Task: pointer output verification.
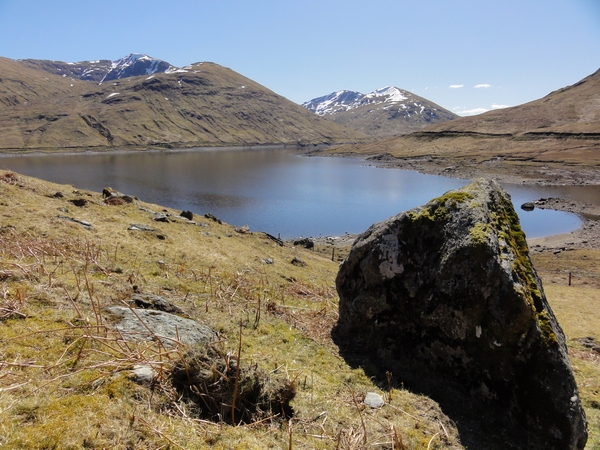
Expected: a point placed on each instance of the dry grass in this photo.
(66, 374)
(577, 308)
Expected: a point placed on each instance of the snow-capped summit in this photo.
(384, 112)
(136, 64)
(332, 103)
(347, 100)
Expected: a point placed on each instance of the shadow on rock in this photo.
(446, 298)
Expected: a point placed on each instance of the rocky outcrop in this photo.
(446, 297)
(148, 324)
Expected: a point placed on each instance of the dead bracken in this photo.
(221, 390)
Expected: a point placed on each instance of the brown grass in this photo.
(66, 375)
(577, 308)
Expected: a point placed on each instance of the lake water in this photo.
(277, 190)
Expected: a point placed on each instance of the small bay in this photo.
(277, 190)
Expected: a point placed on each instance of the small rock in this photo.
(160, 217)
(140, 227)
(243, 230)
(80, 222)
(80, 202)
(148, 325)
(156, 302)
(109, 192)
(298, 262)
(268, 261)
(374, 400)
(528, 206)
(58, 195)
(305, 242)
(143, 374)
(211, 217)
(187, 214)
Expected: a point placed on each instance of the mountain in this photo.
(54, 105)
(132, 65)
(136, 64)
(388, 111)
(562, 127)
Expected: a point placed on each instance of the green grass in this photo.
(65, 376)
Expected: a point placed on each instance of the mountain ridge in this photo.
(561, 127)
(202, 104)
(131, 65)
(385, 112)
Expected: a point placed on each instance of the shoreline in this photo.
(499, 169)
(510, 172)
(587, 236)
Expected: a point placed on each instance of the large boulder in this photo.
(446, 297)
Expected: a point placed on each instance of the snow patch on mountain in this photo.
(383, 98)
(136, 64)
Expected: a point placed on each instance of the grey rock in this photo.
(242, 230)
(156, 302)
(143, 374)
(160, 217)
(447, 298)
(79, 202)
(85, 223)
(528, 206)
(187, 214)
(373, 400)
(305, 242)
(143, 324)
(140, 227)
(213, 218)
(298, 262)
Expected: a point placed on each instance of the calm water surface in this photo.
(276, 190)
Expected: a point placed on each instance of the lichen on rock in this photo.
(446, 296)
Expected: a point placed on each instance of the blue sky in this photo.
(466, 55)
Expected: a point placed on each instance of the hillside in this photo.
(562, 127)
(134, 64)
(203, 104)
(68, 378)
(384, 112)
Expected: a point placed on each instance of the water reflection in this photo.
(276, 190)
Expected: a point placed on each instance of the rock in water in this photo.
(446, 296)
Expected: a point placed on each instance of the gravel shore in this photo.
(587, 236)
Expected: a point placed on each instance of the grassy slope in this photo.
(64, 379)
(209, 105)
(561, 127)
(577, 308)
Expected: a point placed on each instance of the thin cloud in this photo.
(469, 112)
(479, 86)
(456, 86)
(494, 106)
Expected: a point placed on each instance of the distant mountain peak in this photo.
(347, 100)
(386, 111)
(136, 64)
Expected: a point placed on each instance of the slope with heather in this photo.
(202, 104)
